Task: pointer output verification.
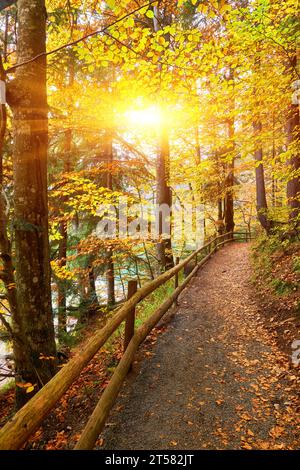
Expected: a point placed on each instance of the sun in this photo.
(144, 117)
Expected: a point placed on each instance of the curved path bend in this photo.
(215, 379)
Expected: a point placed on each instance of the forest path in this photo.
(215, 379)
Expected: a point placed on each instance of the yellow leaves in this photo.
(150, 14)
(29, 387)
(61, 272)
(135, 34)
(111, 4)
(129, 22)
(203, 8)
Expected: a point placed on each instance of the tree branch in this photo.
(73, 43)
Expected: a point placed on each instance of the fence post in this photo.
(176, 279)
(130, 319)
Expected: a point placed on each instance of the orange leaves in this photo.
(277, 431)
(219, 402)
(59, 442)
(246, 446)
(42, 357)
(245, 417)
(29, 387)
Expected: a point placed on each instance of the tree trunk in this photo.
(110, 271)
(61, 287)
(32, 266)
(220, 223)
(261, 199)
(5, 245)
(164, 193)
(228, 202)
(293, 135)
(164, 197)
(197, 146)
(63, 242)
(63, 228)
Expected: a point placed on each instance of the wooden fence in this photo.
(28, 419)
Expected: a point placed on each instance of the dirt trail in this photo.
(216, 379)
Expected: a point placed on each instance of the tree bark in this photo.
(164, 197)
(293, 135)
(110, 271)
(61, 288)
(8, 277)
(261, 199)
(32, 266)
(164, 193)
(63, 228)
(228, 202)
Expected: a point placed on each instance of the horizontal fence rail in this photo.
(28, 419)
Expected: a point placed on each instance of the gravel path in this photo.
(215, 378)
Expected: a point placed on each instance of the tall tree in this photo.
(228, 201)
(108, 158)
(164, 192)
(164, 200)
(28, 100)
(293, 138)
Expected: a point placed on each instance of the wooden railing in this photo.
(27, 420)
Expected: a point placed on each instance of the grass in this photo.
(9, 385)
(265, 255)
(296, 264)
(148, 306)
(282, 287)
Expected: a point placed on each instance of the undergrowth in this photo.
(277, 263)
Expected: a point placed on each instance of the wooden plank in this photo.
(176, 280)
(130, 319)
